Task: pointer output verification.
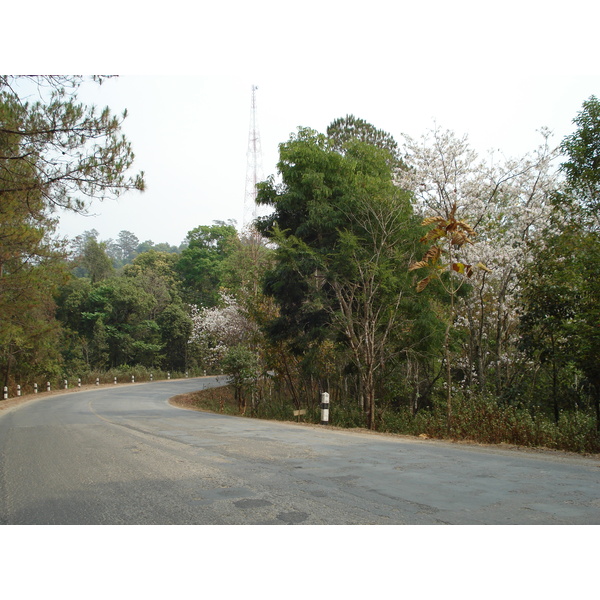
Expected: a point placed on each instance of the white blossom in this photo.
(507, 202)
(218, 328)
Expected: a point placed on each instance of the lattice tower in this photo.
(254, 172)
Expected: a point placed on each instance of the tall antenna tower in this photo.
(253, 165)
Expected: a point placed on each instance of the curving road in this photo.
(124, 455)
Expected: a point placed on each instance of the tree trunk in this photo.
(8, 361)
(554, 381)
(368, 387)
(449, 364)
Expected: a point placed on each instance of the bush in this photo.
(577, 432)
(474, 419)
(483, 420)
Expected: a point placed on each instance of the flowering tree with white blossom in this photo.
(508, 202)
(447, 236)
(217, 329)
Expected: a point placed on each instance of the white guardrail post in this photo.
(324, 408)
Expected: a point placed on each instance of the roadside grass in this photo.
(473, 420)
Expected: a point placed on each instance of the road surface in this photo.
(124, 455)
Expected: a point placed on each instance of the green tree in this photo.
(54, 153)
(200, 264)
(349, 129)
(241, 364)
(67, 151)
(175, 326)
(582, 151)
(582, 169)
(126, 312)
(373, 297)
(242, 277)
(78, 243)
(30, 267)
(113, 320)
(95, 261)
(561, 296)
(342, 235)
(306, 218)
(134, 317)
(155, 273)
(247, 260)
(127, 246)
(552, 305)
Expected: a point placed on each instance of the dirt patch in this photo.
(219, 400)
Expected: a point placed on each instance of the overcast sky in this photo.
(497, 72)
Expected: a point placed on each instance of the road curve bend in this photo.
(124, 455)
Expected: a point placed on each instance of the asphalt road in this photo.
(124, 455)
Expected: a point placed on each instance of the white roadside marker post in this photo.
(324, 408)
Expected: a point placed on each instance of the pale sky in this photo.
(496, 72)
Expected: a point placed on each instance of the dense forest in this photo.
(428, 290)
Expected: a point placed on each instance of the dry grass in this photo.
(217, 400)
